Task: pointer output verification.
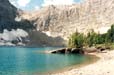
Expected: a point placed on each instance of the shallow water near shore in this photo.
(30, 61)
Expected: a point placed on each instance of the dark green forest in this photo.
(79, 40)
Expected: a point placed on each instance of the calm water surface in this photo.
(29, 61)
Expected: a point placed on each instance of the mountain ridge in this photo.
(16, 30)
(64, 20)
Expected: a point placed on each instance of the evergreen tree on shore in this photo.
(78, 40)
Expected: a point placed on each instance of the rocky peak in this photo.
(64, 20)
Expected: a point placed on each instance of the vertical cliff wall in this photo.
(64, 20)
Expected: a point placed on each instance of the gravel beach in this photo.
(104, 66)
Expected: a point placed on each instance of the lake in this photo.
(30, 61)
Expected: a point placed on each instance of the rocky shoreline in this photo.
(78, 50)
(102, 67)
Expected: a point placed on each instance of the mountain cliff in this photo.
(9, 15)
(16, 30)
(63, 20)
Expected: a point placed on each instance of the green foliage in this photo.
(110, 34)
(76, 40)
(91, 38)
(79, 40)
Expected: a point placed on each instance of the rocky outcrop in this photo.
(79, 50)
(63, 20)
(68, 51)
(13, 37)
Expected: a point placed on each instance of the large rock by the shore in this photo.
(68, 51)
(78, 50)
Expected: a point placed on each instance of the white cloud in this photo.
(36, 7)
(23, 3)
(57, 2)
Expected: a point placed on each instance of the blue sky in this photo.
(36, 4)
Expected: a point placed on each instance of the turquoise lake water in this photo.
(30, 61)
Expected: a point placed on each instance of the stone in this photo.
(69, 51)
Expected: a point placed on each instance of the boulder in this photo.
(77, 51)
(69, 51)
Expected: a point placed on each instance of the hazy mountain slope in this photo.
(63, 20)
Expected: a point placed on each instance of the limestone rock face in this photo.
(63, 20)
(8, 15)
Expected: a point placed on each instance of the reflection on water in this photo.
(27, 61)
